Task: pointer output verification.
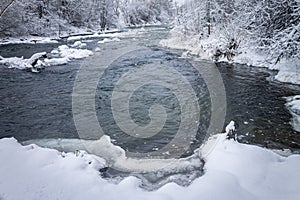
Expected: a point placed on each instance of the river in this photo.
(39, 106)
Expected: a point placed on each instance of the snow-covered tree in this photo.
(272, 26)
(49, 17)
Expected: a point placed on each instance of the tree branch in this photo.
(6, 7)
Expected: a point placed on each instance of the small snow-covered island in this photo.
(150, 99)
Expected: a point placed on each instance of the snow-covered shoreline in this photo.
(59, 56)
(29, 40)
(288, 70)
(232, 171)
(293, 105)
(81, 35)
(74, 49)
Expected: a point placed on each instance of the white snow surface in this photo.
(232, 171)
(79, 44)
(63, 54)
(29, 40)
(116, 156)
(288, 77)
(206, 47)
(20, 62)
(293, 104)
(72, 53)
(230, 127)
(107, 40)
(56, 61)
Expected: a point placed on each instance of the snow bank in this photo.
(15, 62)
(72, 53)
(289, 71)
(206, 48)
(83, 37)
(109, 33)
(230, 127)
(232, 171)
(64, 54)
(21, 63)
(116, 156)
(55, 61)
(107, 40)
(29, 40)
(79, 44)
(293, 104)
(60, 56)
(288, 77)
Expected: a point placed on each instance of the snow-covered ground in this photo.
(232, 171)
(293, 104)
(205, 48)
(29, 40)
(64, 53)
(21, 63)
(107, 40)
(60, 56)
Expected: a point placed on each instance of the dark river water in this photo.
(39, 106)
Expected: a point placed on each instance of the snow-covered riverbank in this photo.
(60, 56)
(232, 171)
(75, 48)
(293, 104)
(288, 70)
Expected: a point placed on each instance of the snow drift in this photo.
(232, 171)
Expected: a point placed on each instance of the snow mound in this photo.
(78, 44)
(83, 37)
(116, 156)
(21, 63)
(72, 53)
(64, 54)
(107, 40)
(230, 127)
(60, 56)
(29, 40)
(293, 105)
(232, 171)
(288, 77)
(56, 61)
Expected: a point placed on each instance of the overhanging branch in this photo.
(6, 7)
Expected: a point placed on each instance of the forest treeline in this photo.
(50, 17)
(269, 26)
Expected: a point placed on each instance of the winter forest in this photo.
(149, 99)
(270, 26)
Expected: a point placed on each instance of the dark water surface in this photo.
(38, 106)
